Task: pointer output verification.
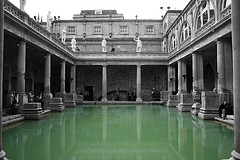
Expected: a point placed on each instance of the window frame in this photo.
(123, 31)
(71, 29)
(148, 29)
(97, 29)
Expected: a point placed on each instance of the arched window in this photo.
(173, 42)
(205, 14)
(186, 31)
(225, 4)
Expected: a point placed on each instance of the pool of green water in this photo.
(141, 132)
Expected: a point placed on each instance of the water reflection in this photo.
(118, 132)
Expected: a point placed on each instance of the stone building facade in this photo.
(89, 28)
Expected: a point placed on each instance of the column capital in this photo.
(104, 65)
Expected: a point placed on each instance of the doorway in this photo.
(89, 90)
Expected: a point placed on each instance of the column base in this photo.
(235, 155)
(69, 100)
(186, 102)
(105, 100)
(56, 105)
(173, 101)
(139, 100)
(46, 99)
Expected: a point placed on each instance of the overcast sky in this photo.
(145, 9)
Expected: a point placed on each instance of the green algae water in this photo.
(104, 132)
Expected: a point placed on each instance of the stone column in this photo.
(200, 71)
(236, 76)
(104, 83)
(180, 89)
(221, 66)
(170, 79)
(21, 68)
(62, 90)
(47, 77)
(195, 72)
(73, 79)
(2, 153)
(139, 80)
(184, 76)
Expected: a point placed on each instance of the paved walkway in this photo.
(229, 120)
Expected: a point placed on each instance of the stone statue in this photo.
(139, 44)
(73, 43)
(49, 21)
(22, 4)
(104, 45)
(64, 35)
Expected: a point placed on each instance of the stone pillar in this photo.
(200, 71)
(170, 79)
(104, 83)
(73, 79)
(139, 99)
(195, 72)
(47, 77)
(2, 153)
(236, 76)
(196, 82)
(21, 68)
(62, 90)
(221, 66)
(180, 89)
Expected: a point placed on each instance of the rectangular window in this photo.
(123, 29)
(149, 29)
(97, 30)
(71, 29)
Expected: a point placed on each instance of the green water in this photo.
(118, 133)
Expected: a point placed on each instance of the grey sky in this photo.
(147, 9)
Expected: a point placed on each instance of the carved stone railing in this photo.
(122, 55)
(205, 27)
(24, 18)
(226, 12)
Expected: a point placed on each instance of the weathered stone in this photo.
(173, 100)
(186, 101)
(69, 100)
(164, 96)
(210, 105)
(32, 111)
(56, 105)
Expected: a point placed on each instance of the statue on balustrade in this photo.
(104, 45)
(22, 4)
(49, 21)
(73, 43)
(139, 44)
(64, 35)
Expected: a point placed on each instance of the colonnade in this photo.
(104, 83)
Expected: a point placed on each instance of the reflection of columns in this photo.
(73, 79)
(62, 135)
(236, 75)
(21, 68)
(139, 99)
(221, 66)
(62, 90)
(139, 110)
(2, 153)
(104, 83)
(104, 123)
